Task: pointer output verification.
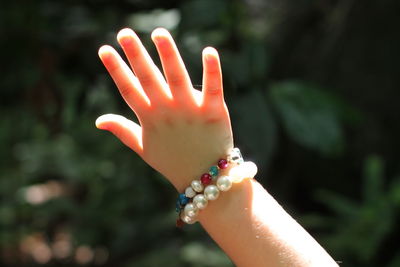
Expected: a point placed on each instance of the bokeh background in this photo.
(313, 91)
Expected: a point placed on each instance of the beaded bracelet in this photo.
(197, 195)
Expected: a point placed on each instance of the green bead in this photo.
(214, 171)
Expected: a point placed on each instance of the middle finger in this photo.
(150, 77)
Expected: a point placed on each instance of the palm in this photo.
(182, 131)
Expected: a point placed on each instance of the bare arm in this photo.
(182, 132)
(254, 230)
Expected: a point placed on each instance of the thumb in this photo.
(127, 131)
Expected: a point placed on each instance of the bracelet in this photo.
(201, 191)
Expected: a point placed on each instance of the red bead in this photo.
(206, 178)
(222, 163)
(179, 223)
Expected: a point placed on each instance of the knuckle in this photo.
(113, 67)
(213, 120)
(146, 80)
(175, 80)
(168, 52)
(133, 53)
(168, 121)
(213, 71)
(214, 91)
(125, 89)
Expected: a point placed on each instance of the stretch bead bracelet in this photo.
(197, 195)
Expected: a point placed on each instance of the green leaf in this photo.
(310, 116)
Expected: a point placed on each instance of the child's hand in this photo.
(182, 131)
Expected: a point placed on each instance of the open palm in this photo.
(182, 131)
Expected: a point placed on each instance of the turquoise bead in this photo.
(214, 171)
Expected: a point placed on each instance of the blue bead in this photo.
(183, 199)
(214, 171)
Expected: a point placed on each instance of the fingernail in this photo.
(209, 58)
(159, 40)
(104, 51)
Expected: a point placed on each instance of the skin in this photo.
(180, 128)
(182, 132)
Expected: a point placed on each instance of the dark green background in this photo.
(313, 91)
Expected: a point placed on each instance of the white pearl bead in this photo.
(200, 201)
(237, 173)
(187, 219)
(211, 192)
(191, 210)
(189, 192)
(245, 170)
(197, 186)
(252, 169)
(224, 183)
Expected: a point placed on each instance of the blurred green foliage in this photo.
(312, 87)
(297, 104)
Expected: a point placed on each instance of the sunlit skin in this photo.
(183, 132)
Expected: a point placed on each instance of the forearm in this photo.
(254, 230)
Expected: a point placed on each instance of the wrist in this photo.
(190, 170)
(219, 178)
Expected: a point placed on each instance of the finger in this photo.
(128, 85)
(150, 77)
(213, 97)
(129, 132)
(174, 69)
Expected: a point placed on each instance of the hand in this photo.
(182, 131)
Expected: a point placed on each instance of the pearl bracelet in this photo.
(197, 195)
